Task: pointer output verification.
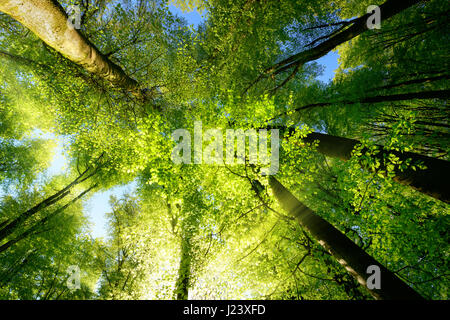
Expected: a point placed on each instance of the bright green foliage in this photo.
(36, 266)
(216, 231)
(125, 259)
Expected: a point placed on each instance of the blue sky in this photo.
(330, 62)
(98, 204)
(192, 17)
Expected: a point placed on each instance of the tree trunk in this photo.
(432, 181)
(388, 9)
(348, 254)
(34, 229)
(184, 272)
(11, 226)
(48, 20)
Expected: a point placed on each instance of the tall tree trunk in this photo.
(348, 254)
(35, 228)
(48, 20)
(11, 226)
(184, 272)
(432, 181)
(388, 9)
(17, 266)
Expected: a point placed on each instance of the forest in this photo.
(255, 179)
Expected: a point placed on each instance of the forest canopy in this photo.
(254, 179)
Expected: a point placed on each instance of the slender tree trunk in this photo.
(348, 254)
(35, 228)
(48, 20)
(16, 267)
(9, 228)
(388, 9)
(184, 271)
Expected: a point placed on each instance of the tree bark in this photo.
(432, 181)
(11, 226)
(32, 230)
(184, 271)
(48, 20)
(358, 26)
(348, 254)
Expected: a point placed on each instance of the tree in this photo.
(64, 38)
(118, 87)
(431, 180)
(126, 259)
(9, 226)
(346, 32)
(349, 255)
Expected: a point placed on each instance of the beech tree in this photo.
(355, 260)
(363, 158)
(427, 181)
